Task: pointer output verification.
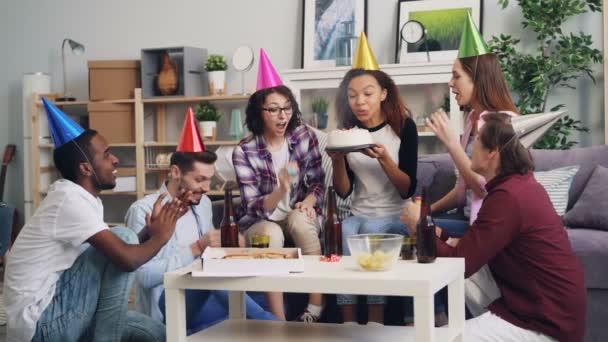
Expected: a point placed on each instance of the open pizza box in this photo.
(245, 262)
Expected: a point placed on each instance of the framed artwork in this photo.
(324, 23)
(443, 21)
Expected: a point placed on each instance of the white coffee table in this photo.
(407, 278)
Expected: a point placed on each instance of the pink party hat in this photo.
(267, 75)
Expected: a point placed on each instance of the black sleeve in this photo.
(408, 153)
(351, 178)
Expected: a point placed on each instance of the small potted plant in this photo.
(319, 107)
(207, 115)
(216, 66)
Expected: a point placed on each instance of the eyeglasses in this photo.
(274, 111)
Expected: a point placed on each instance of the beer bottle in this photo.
(229, 230)
(333, 227)
(426, 248)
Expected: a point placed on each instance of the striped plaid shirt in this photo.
(256, 177)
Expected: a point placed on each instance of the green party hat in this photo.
(471, 41)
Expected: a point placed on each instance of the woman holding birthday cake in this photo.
(380, 177)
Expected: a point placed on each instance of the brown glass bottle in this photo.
(229, 230)
(426, 248)
(333, 227)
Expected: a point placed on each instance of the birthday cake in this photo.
(349, 138)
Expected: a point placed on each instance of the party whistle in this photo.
(293, 171)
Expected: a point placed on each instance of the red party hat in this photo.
(191, 138)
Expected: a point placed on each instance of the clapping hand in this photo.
(287, 175)
(161, 223)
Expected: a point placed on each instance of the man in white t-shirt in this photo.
(68, 276)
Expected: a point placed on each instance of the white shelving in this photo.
(423, 87)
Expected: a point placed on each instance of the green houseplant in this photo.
(559, 59)
(216, 67)
(207, 115)
(319, 107)
(216, 63)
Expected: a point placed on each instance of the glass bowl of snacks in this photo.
(375, 252)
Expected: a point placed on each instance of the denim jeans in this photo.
(367, 225)
(205, 308)
(455, 225)
(90, 303)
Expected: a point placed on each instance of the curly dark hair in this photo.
(253, 113)
(392, 107)
(70, 155)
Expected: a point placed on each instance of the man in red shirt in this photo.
(521, 238)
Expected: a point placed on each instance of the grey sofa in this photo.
(590, 245)
(437, 173)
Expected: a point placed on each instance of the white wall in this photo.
(31, 32)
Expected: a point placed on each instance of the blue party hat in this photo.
(63, 129)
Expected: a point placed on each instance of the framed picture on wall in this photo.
(325, 24)
(443, 21)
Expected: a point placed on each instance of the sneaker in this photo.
(308, 317)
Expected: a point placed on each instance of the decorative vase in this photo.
(322, 120)
(208, 129)
(217, 82)
(168, 81)
(236, 124)
(346, 44)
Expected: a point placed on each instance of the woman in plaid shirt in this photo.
(278, 168)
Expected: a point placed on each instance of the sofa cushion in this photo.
(557, 184)
(590, 209)
(586, 157)
(436, 172)
(591, 246)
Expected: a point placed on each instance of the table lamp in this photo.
(77, 49)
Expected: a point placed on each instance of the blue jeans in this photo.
(90, 303)
(456, 227)
(353, 225)
(205, 308)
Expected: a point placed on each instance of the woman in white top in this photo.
(380, 178)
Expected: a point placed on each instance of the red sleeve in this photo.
(497, 224)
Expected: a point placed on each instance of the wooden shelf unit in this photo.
(210, 193)
(84, 103)
(191, 99)
(207, 143)
(137, 148)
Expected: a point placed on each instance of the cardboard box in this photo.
(116, 122)
(113, 79)
(215, 264)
